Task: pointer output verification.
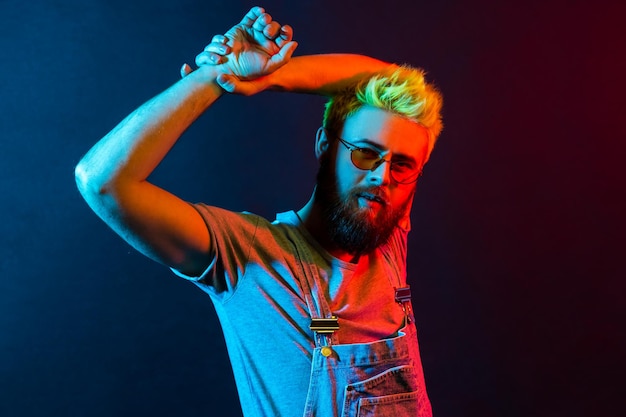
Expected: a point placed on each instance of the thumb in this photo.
(227, 82)
(283, 55)
(185, 70)
(234, 85)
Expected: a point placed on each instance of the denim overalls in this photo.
(382, 378)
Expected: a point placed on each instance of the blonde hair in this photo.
(401, 90)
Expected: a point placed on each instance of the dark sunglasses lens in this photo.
(364, 158)
(367, 159)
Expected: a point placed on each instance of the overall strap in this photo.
(323, 322)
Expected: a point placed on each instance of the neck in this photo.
(313, 220)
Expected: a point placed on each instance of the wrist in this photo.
(278, 80)
(207, 74)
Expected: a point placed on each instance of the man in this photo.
(314, 306)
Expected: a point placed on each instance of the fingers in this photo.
(267, 31)
(285, 35)
(250, 18)
(214, 53)
(267, 26)
(219, 39)
(227, 82)
(185, 70)
(284, 55)
(257, 35)
(209, 58)
(234, 85)
(261, 21)
(271, 30)
(257, 19)
(218, 45)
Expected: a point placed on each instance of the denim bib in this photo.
(376, 379)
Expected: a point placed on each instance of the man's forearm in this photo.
(133, 149)
(323, 74)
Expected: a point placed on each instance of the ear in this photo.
(321, 142)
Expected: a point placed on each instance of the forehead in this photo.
(387, 131)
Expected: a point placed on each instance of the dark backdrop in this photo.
(518, 225)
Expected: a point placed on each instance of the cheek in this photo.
(401, 197)
(345, 178)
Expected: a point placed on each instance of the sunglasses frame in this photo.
(352, 148)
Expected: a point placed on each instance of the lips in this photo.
(375, 197)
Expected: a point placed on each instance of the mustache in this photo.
(372, 193)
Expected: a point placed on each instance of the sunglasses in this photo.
(402, 172)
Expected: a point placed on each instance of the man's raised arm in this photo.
(323, 74)
(112, 176)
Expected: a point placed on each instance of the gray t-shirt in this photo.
(256, 282)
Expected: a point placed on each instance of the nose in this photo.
(381, 173)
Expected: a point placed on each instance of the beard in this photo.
(352, 228)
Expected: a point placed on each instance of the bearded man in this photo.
(314, 306)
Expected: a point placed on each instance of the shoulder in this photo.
(228, 225)
(218, 219)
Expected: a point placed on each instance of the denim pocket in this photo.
(391, 393)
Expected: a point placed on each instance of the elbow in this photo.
(97, 193)
(81, 176)
(87, 181)
(101, 193)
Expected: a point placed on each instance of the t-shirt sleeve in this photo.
(232, 236)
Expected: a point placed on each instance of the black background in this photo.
(515, 256)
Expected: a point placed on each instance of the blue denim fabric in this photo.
(382, 378)
(368, 379)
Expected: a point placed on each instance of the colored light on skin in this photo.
(393, 136)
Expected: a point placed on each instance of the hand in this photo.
(256, 47)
